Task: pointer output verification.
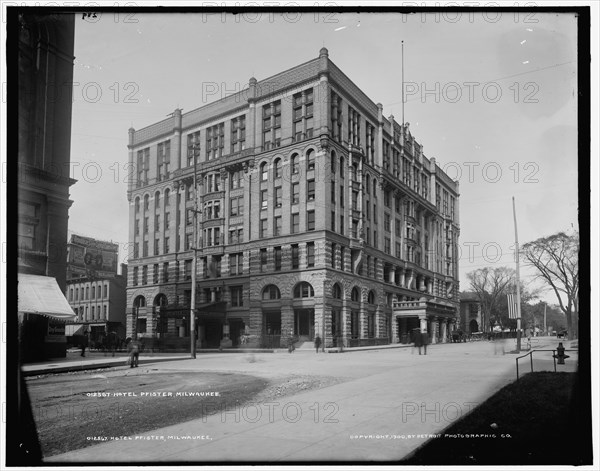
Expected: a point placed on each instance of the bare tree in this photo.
(556, 259)
(491, 285)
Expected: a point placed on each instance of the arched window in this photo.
(146, 202)
(137, 205)
(160, 300)
(271, 292)
(157, 199)
(140, 301)
(295, 163)
(304, 290)
(167, 194)
(341, 167)
(375, 187)
(336, 292)
(355, 296)
(264, 171)
(310, 159)
(277, 168)
(367, 185)
(371, 297)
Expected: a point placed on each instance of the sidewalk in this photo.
(391, 403)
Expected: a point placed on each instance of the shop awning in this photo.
(42, 295)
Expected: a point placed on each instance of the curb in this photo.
(33, 371)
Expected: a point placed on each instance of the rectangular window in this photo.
(342, 225)
(295, 256)
(145, 275)
(155, 275)
(166, 244)
(263, 260)
(310, 254)
(278, 196)
(310, 220)
(193, 147)
(263, 199)
(387, 247)
(237, 296)
(277, 226)
(277, 257)
(333, 221)
(295, 193)
(332, 191)
(163, 160)
(236, 264)
(156, 246)
(333, 249)
(165, 272)
(215, 141)
(236, 206)
(145, 249)
(310, 190)
(295, 223)
(371, 325)
(263, 228)
(342, 196)
(342, 258)
(187, 270)
(238, 134)
(387, 222)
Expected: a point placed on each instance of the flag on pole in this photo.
(512, 306)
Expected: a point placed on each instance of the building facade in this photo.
(99, 305)
(44, 45)
(313, 215)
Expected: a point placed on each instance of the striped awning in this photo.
(42, 295)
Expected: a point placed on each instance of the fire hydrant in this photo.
(560, 354)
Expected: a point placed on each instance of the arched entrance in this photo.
(473, 326)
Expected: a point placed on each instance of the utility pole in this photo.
(545, 328)
(195, 150)
(518, 280)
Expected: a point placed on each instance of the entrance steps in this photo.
(305, 345)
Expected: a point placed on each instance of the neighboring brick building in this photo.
(99, 305)
(318, 216)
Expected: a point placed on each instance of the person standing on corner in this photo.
(317, 343)
(134, 354)
(424, 341)
(418, 340)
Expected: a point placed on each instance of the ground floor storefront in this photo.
(275, 311)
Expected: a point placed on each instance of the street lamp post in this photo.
(194, 149)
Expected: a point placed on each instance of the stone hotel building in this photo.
(316, 215)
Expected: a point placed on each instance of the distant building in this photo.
(470, 312)
(317, 215)
(95, 291)
(45, 79)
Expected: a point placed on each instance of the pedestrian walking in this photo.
(134, 353)
(424, 341)
(418, 339)
(317, 343)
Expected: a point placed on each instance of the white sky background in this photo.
(529, 134)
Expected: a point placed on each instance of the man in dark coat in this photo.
(317, 343)
(418, 339)
(424, 341)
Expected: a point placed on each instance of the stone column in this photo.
(423, 322)
(444, 331)
(402, 280)
(287, 320)
(392, 275)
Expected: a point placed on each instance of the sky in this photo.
(490, 95)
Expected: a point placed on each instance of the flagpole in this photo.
(403, 89)
(518, 280)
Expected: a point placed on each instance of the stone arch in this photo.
(160, 300)
(273, 291)
(139, 301)
(303, 289)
